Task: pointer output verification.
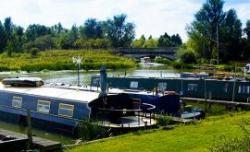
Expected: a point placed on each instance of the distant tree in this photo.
(176, 40)
(18, 38)
(230, 36)
(3, 38)
(120, 32)
(67, 40)
(8, 27)
(246, 41)
(10, 48)
(92, 29)
(204, 31)
(35, 30)
(139, 43)
(165, 41)
(92, 43)
(151, 42)
(45, 42)
(57, 29)
(247, 30)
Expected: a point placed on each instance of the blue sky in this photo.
(151, 17)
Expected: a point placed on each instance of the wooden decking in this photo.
(44, 145)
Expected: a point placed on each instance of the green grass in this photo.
(62, 60)
(198, 137)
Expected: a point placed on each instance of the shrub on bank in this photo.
(62, 60)
(186, 56)
(88, 130)
(162, 60)
(164, 120)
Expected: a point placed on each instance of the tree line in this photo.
(164, 40)
(93, 34)
(218, 34)
(115, 32)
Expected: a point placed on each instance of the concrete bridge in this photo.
(169, 52)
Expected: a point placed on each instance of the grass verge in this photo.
(198, 137)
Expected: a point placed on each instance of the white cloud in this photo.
(151, 17)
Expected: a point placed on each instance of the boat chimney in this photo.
(103, 81)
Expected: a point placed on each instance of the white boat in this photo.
(247, 68)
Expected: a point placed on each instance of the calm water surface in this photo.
(70, 77)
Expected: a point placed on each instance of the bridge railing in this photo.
(146, 50)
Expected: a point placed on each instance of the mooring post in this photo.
(150, 118)
(29, 131)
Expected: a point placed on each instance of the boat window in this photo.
(192, 87)
(66, 110)
(17, 102)
(162, 86)
(226, 88)
(134, 84)
(244, 89)
(43, 106)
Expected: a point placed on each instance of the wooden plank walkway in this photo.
(44, 145)
(224, 102)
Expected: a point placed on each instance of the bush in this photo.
(162, 60)
(164, 120)
(186, 56)
(90, 130)
(34, 52)
(92, 43)
(45, 42)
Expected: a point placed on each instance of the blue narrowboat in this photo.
(49, 104)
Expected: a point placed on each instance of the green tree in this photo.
(151, 42)
(230, 40)
(68, 39)
(165, 41)
(247, 29)
(246, 41)
(139, 43)
(8, 27)
(57, 29)
(176, 40)
(204, 30)
(92, 29)
(3, 39)
(18, 38)
(45, 42)
(35, 30)
(120, 32)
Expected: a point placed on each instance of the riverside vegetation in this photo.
(62, 60)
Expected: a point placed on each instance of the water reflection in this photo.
(70, 77)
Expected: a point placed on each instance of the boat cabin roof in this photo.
(52, 92)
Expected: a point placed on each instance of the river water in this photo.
(70, 77)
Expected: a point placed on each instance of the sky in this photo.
(151, 17)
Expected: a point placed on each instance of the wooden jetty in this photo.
(20, 142)
(10, 141)
(222, 102)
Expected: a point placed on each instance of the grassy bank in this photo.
(62, 60)
(198, 137)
